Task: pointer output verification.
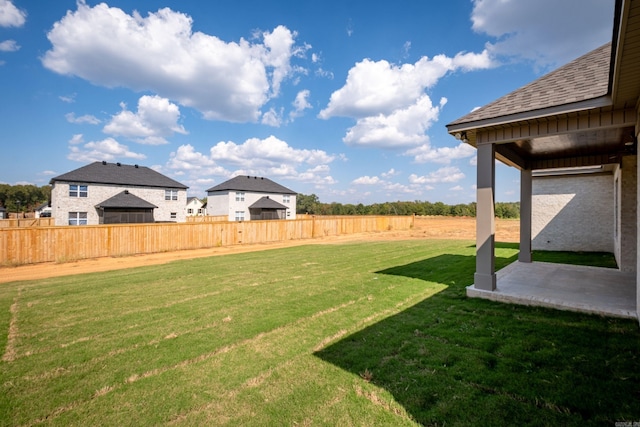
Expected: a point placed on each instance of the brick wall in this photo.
(573, 213)
(62, 204)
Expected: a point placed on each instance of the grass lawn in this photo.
(354, 334)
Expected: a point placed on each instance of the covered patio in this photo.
(595, 290)
(581, 115)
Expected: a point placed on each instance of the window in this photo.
(77, 218)
(239, 196)
(199, 211)
(171, 194)
(174, 215)
(190, 211)
(239, 215)
(286, 199)
(76, 190)
(288, 213)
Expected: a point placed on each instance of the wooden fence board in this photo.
(30, 245)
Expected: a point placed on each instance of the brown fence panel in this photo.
(28, 245)
(208, 218)
(27, 222)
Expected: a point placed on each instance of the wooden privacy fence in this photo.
(62, 244)
(26, 222)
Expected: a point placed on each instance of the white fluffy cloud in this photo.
(402, 128)
(94, 151)
(270, 151)
(156, 119)
(367, 180)
(9, 46)
(87, 118)
(160, 52)
(389, 101)
(300, 104)
(379, 87)
(10, 15)
(426, 153)
(260, 157)
(527, 30)
(187, 159)
(445, 174)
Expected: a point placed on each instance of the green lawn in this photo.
(354, 334)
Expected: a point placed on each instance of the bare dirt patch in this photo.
(425, 228)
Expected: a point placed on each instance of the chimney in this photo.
(118, 164)
(104, 162)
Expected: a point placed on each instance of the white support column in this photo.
(485, 276)
(525, 215)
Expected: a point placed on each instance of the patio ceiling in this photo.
(572, 149)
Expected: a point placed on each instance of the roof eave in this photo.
(599, 102)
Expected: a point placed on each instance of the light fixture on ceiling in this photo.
(630, 142)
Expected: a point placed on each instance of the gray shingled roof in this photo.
(253, 184)
(126, 200)
(584, 78)
(118, 174)
(267, 203)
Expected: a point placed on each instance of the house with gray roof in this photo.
(582, 118)
(43, 210)
(245, 198)
(115, 193)
(194, 207)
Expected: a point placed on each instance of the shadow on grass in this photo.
(459, 361)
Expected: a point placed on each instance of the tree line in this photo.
(310, 204)
(23, 198)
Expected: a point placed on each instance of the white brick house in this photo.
(108, 193)
(246, 198)
(194, 207)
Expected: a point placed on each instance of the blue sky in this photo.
(345, 99)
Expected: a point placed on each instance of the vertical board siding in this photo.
(62, 244)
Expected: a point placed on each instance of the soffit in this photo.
(626, 78)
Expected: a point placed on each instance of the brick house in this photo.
(585, 114)
(195, 207)
(245, 198)
(113, 193)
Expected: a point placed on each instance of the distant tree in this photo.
(307, 204)
(23, 198)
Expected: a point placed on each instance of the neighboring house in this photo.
(43, 211)
(114, 193)
(3, 212)
(194, 207)
(584, 114)
(245, 198)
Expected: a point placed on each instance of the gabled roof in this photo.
(126, 200)
(43, 206)
(253, 184)
(118, 174)
(585, 78)
(267, 203)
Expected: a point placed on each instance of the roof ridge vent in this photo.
(118, 164)
(104, 162)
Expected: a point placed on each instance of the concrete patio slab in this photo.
(604, 291)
